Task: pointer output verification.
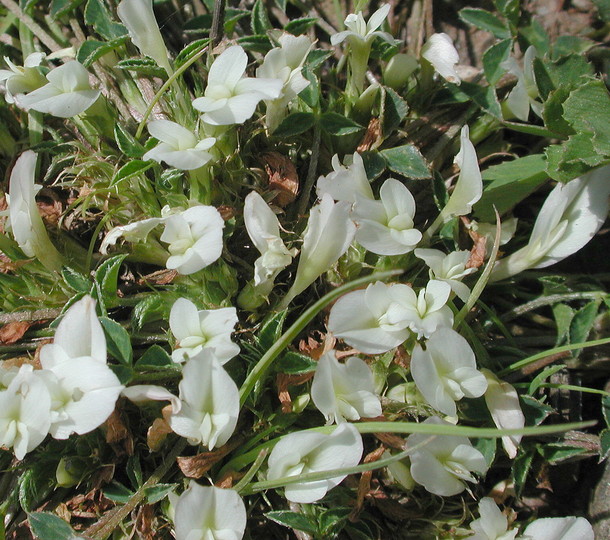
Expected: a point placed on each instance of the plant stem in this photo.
(36, 29)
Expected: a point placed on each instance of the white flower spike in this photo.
(209, 402)
(307, 452)
(449, 268)
(83, 388)
(360, 318)
(27, 226)
(230, 98)
(446, 371)
(198, 330)
(441, 53)
(570, 217)
(21, 80)
(443, 462)
(139, 18)
(328, 234)
(208, 513)
(68, 92)
(178, 147)
(344, 391)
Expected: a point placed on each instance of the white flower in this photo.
(423, 313)
(21, 80)
(346, 181)
(525, 93)
(139, 18)
(83, 388)
(328, 234)
(449, 268)
(442, 463)
(207, 329)
(446, 371)
(571, 215)
(308, 452)
(27, 226)
(264, 230)
(385, 227)
(443, 56)
(179, 147)
(25, 411)
(209, 513)
(566, 528)
(503, 403)
(231, 98)
(344, 391)
(209, 402)
(492, 523)
(364, 32)
(194, 237)
(360, 318)
(285, 63)
(67, 93)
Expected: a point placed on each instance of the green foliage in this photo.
(47, 526)
(98, 16)
(407, 161)
(485, 21)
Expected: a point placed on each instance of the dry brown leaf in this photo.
(283, 381)
(160, 277)
(226, 212)
(391, 440)
(144, 522)
(197, 466)
(157, 433)
(364, 485)
(282, 176)
(372, 135)
(13, 331)
(229, 479)
(116, 430)
(50, 211)
(477, 252)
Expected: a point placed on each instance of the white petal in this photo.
(172, 133)
(236, 110)
(377, 18)
(148, 392)
(443, 56)
(567, 528)
(229, 67)
(261, 223)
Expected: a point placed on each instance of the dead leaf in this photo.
(197, 466)
(50, 211)
(13, 331)
(477, 252)
(282, 176)
(229, 479)
(160, 277)
(285, 380)
(157, 433)
(372, 135)
(391, 440)
(144, 522)
(116, 432)
(364, 486)
(226, 212)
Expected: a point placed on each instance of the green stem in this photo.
(263, 364)
(549, 301)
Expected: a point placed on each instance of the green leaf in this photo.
(603, 9)
(493, 58)
(143, 66)
(559, 452)
(339, 125)
(155, 358)
(543, 376)
(47, 526)
(124, 373)
(604, 444)
(530, 129)
(563, 318)
(292, 520)
(34, 485)
(407, 161)
(189, 51)
(606, 409)
(107, 276)
(75, 280)
(566, 45)
(510, 9)
(536, 35)
(316, 58)
(281, 4)
(522, 465)
(271, 330)
(300, 26)
(310, 94)
(117, 341)
(488, 448)
(582, 324)
(393, 111)
(535, 411)
(259, 20)
(131, 169)
(374, 164)
(485, 21)
(151, 308)
(198, 24)
(332, 520)
(509, 183)
(127, 143)
(552, 113)
(257, 43)
(118, 492)
(158, 492)
(295, 124)
(294, 363)
(484, 97)
(98, 16)
(62, 7)
(92, 50)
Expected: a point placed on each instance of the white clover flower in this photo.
(21, 80)
(209, 402)
(83, 388)
(194, 237)
(231, 98)
(423, 313)
(264, 230)
(441, 53)
(328, 234)
(442, 463)
(565, 528)
(570, 217)
(139, 18)
(198, 330)
(309, 452)
(344, 391)
(385, 227)
(26, 224)
(360, 318)
(446, 371)
(67, 93)
(492, 523)
(285, 63)
(346, 181)
(25, 411)
(360, 31)
(179, 147)
(503, 403)
(449, 268)
(525, 93)
(209, 513)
